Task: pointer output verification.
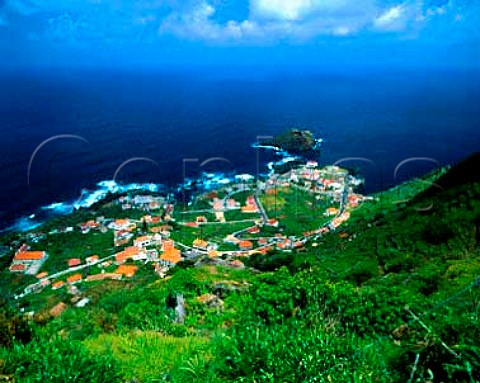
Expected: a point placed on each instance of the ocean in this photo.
(62, 132)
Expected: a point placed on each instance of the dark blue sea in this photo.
(62, 131)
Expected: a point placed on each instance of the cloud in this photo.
(256, 22)
(280, 9)
(390, 17)
(272, 20)
(297, 20)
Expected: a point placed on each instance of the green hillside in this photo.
(391, 296)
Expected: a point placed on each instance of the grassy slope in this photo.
(335, 313)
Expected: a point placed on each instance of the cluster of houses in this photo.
(155, 247)
(28, 262)
(123, 261)
(330, 180)
(145, 202)
(250, 205)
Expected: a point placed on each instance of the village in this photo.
(282, 213)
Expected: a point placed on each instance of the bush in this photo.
(57, 361)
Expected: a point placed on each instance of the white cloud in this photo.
(390, 17)
(281, 9)
(270, 20)
(301, 9)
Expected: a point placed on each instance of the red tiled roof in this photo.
(29, 256)
(127, 270)
(245, 244)
(74, 278)
(17, 267)
(58, 285)
(74, 262)
(42, 275)
(172, 256)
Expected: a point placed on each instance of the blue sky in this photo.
(443, 33)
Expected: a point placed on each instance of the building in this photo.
(17, 268)
(89, 225)
(126, 270)
(28, 262)
(131, 252)
(58, 285)
(253, 230)
(75, 278)
(143, 241)
(74, 262)
(92, 259)
(245, 245)
(331, 211)
(41, 275)
(272, 222)
(170, 258)
(200, 244)
(249, 209)
(213, 254)
(122, 224)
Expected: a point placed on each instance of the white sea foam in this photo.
(23, 224)
(87, 199)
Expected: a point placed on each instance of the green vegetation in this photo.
(392, 296)
(298, 210)
(296, 142)
(215, 232)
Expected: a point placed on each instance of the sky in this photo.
(326, 33)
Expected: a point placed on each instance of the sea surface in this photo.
(62, 132)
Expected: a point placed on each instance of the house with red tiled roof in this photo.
(75, 278)
(249, 209)
(17, 268)
(253, 230)
(170, 257)
(131, 252)
(73, 262)
(89, 225)
(245, 245)
(41, 275)
(28, 262)
(122, 224)
(58, 285)
(126, 270)
(272, 222)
